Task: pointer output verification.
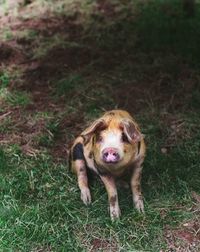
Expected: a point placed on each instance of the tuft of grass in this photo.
(69, 84)
(41, 7)
(27, 35)
(195, 100)
(5, 125)
(45, 45)
(6, 34)
(16, 98)
(3, 161)
(13, 97)
(51, 133)
(4, 80)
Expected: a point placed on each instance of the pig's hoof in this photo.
(86, 196)
(115, 213)
(139, 205)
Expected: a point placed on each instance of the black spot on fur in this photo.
(139, 145)
(77, 152)
(93, 141)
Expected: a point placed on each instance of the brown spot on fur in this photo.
(140, 197)
(113, 200)
(111, 113)
(138, 188)
(84, 140)
(82, 169)
(139, 177)
(90, 155)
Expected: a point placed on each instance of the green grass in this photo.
(15, 98)
(52, 132)
(12, 97)
(163, 26)
(4, 80)
(67, 85)
(5, 125)
(27, 35)
(143, 57)
(45, 45)
(41, 206)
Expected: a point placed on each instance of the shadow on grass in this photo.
(163, 26)
(147, 51)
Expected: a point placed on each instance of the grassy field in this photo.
(62, 63)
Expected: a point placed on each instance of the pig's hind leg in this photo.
(136, 187)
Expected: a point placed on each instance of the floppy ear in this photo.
(131, 131)
(96, 126)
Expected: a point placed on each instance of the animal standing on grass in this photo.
(112, 147)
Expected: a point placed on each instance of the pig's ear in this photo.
(95, 127)
(131, 131)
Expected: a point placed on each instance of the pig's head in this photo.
(113, 142)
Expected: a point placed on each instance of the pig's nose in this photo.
(111, 155)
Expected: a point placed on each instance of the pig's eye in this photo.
(124, 138)
(99, 138)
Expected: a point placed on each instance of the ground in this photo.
(62, 63)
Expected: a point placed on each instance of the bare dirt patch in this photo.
(186, 239)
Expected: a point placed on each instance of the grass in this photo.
(165, 27)
(67, 85)
(17, 98)
(4, 80)
(107, 56)
(14, 97)
(40, 205)
(44, 46)
(26, 35)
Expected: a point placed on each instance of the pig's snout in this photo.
(110, 155)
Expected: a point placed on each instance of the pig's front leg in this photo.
(111, 189)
